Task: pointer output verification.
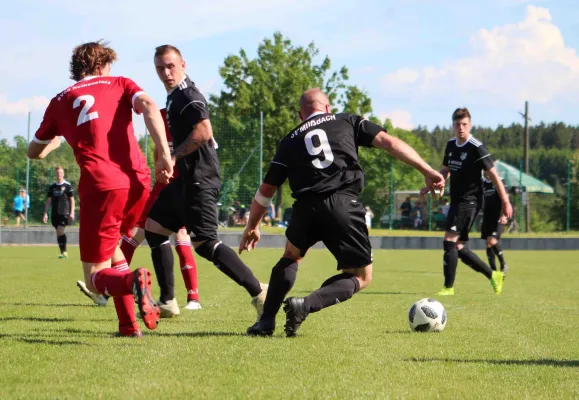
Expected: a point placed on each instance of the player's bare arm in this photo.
(46, 208)
(201, 135)
(507, 208)
(71, 214)
(405, 153)
(145, 105)
(38, 151)
(259, 205)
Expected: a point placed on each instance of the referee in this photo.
(60, 200)
(464, 160)
(493, 225)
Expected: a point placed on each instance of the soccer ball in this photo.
(427, 315)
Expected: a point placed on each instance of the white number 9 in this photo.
(324, 147)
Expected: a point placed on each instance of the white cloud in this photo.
(22, 106)
(400, 119)
(527, 60)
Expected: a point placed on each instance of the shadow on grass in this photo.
(36, 319)
(193, 334)
(362, 292)
(52, 304)
(30, 340)
(544, 362)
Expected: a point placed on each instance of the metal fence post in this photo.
(27, 178)
(391, 197)
(429, 211)
(568, 216)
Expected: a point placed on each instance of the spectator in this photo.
(445, 207)
(369, 216)
(417, 212)
(20, 205)
(406, 207)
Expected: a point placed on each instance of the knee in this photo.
(206, 249)
(155, 240)
(364, 277)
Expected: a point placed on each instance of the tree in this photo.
(272, 83)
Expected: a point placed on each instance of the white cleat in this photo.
(98, 299)
(193, 305)
(259, 300)
(169, 309)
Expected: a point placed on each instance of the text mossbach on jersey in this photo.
(313, 122)
(61, 95)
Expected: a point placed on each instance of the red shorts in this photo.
(105, 217)
(155, 192)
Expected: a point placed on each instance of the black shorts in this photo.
(339, 222)
(59, 220)
(183, 205)
(18, 213)
(491, 226)
(460, 219)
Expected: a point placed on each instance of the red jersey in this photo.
(95, 117)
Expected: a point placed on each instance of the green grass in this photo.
(521, 344)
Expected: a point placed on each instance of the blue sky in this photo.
(417, 59)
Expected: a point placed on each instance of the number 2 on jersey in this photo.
(323, 147)
(84, 115)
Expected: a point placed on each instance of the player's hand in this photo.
(507, 210)
(434, 182)
(45, 218)
(71, 217)
(249, 239)
(164, 169)
(503, 220)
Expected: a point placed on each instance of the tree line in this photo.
(271, 83)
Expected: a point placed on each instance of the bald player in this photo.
(319, 158)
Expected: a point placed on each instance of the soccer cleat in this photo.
(149, 310)
(497, 281)
(169, 309)
(63, 255)
(446, 292)
(98, 299)
(193, 305)
(263, 327)
(136, 334)
(259, 300)
(295, 314)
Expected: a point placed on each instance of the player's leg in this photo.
(467, 215)
(188, 268)
(497, 249)
(201, 221)
(345, 234)
(102, 217)
(131, 241)
(61, 240)
(490, 242)
(17, 214)
(450, 255)
(165, 218)
(281, 280)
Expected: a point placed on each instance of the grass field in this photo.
(522, 344)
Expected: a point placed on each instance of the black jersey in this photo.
(60, 194)
(320, 156)
(466, 163)
(492, 200)
(186, 106)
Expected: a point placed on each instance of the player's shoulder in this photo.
(67, 183)
(189, 90)
(474, 142)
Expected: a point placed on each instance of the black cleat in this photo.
(263, 327)
(295, 314)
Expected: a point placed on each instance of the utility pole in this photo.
(526, 162)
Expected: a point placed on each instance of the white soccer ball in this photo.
(427, 315)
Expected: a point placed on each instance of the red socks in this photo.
(128, 247)
(188, 268)
(118, 282)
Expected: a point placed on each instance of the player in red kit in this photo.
(130, 243)
(95, 117)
